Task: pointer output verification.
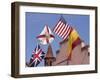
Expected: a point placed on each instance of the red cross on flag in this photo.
(37, 56)
(46, 36)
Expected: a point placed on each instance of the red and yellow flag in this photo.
(73, 41)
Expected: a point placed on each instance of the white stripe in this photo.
(37, 50)
(57, 26)
(67, 34)
(35, 61)
(61, 30)
(67, 26)
(65, 37)
(39, 59)
(31, 63)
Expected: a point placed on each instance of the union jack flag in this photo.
(37, 56)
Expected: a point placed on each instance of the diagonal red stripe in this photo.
(52, 35)
(76, 42)
(41, 36)
(63, 32)
(56, 27)
(61, 29)
(66, 32)
(37, 55)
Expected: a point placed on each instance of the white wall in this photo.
(5, 40)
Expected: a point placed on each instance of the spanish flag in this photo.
(73, 41)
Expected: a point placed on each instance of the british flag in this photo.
(37, 56)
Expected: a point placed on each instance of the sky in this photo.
(35, 23)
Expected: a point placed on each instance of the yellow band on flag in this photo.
(73, 36)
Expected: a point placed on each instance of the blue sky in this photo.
(35, 23)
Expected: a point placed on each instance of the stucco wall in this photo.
(79, 55)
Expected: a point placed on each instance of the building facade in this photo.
(80, 55)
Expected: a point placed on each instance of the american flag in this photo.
(62, 29)
(37, 56)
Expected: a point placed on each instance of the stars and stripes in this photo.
(37, 56)
(62, 29)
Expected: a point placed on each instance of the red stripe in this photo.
(37, 55)
(63, 31)
(71, 30)
(66, 30)
(41, 36)
(76, 42)
(57, 26)
(52, 35)
(59, 30)
(67, 33)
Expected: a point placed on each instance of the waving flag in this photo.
(36, 57)
(73, 41)
(62, 29)
(46, 36)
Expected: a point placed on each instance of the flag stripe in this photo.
(52, 36)
(41, 36)
(65, 35)
(36, 57)
(57, 26)
(73, 41)
(77, 41)
(66, 31)
(62, 29)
